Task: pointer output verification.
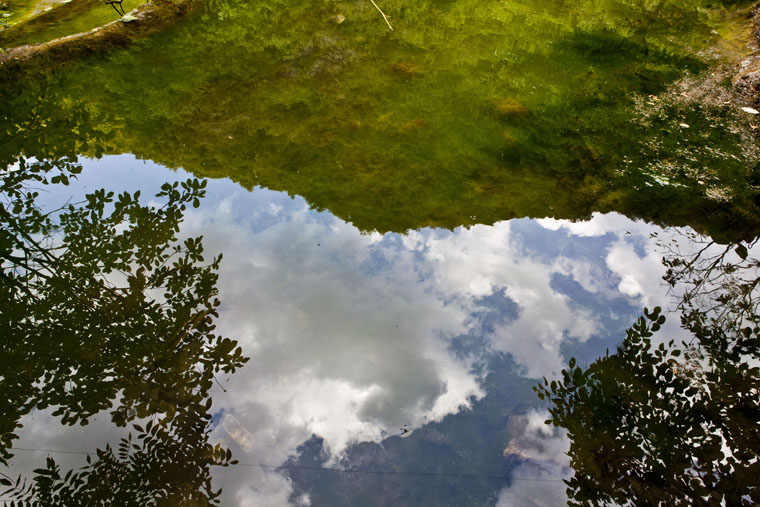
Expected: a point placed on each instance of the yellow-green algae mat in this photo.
(468, 111)
(32, 22)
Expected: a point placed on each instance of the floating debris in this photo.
(514, 450)
(508, 107)
(411, 126)
(407, 68)
(750, 110)
(239, 433)
(683, 125)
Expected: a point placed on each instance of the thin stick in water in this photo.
(383, 14)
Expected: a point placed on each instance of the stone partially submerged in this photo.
(144, 20)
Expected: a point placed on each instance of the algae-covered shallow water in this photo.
(41, 21)
(464, 113)
(417, 226)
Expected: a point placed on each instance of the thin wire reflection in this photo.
(339, 470)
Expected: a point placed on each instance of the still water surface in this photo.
(352, 335)
(417, 227)
(467, 112)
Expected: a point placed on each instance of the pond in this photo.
(403, 234)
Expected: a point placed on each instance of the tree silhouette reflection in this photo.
(105, 309)
(673, 424)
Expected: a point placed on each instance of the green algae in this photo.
(467, 112)
(65, 18)
(16, 11)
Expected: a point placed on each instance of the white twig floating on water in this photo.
(383, 14)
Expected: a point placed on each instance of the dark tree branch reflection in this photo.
(718, 281)
(104, 309)
(673, 424)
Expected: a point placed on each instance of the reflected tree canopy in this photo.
(470, 112)
(104, 309)
(665, 423)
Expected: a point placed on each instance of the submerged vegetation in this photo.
(467, 112)
(53, 19)
(75, 28)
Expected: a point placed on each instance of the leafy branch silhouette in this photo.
(105, 309)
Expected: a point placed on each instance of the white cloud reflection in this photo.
(350, 334)
(545, 462)
(639, 271)
(348, 340)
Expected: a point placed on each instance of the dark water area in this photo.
(503, 254)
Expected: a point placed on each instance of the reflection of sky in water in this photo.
(352, 335)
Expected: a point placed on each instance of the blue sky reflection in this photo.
(352, 334)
